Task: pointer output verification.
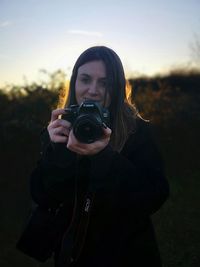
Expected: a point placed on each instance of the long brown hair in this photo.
(123, 113)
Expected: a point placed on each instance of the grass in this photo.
(177, 223)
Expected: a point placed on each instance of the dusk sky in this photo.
(150, 36)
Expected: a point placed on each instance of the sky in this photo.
(150, 36)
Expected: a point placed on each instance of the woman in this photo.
(104, 191)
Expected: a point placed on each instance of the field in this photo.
(171, 103)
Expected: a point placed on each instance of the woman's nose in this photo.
(93, 90)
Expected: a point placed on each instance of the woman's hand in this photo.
(88, 149)
(58, 129)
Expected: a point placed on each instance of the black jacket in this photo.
(128, 187)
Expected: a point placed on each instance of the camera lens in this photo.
(87, 129)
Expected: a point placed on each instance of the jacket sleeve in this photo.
(137, 173)
(52, 180)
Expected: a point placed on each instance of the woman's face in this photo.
(91, 83)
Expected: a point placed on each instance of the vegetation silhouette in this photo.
(171, 102)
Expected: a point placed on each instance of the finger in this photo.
(59, 139)
(60, 122)
(61, 131)
(56, 112)
(77, 148)
(72, 139)
(107, 132)
(73, 144)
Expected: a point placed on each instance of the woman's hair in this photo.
(123, 114)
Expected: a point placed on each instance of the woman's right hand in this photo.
(58, 129)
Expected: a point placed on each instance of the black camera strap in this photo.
(82, 226)
(74, 238)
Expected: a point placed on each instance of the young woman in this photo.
(104, 191)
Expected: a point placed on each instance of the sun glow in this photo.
(128, 91)
(63, 95)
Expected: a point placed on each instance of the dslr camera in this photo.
(87, 120)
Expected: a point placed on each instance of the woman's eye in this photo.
(85, 80)
(102, 83)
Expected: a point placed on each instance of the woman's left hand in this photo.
(88, 149)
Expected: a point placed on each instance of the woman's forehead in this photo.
(96, 67)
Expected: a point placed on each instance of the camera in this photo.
(87, 120)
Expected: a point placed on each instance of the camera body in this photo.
(87, 120)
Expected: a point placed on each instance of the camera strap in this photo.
(74, 238)
(82, 226)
